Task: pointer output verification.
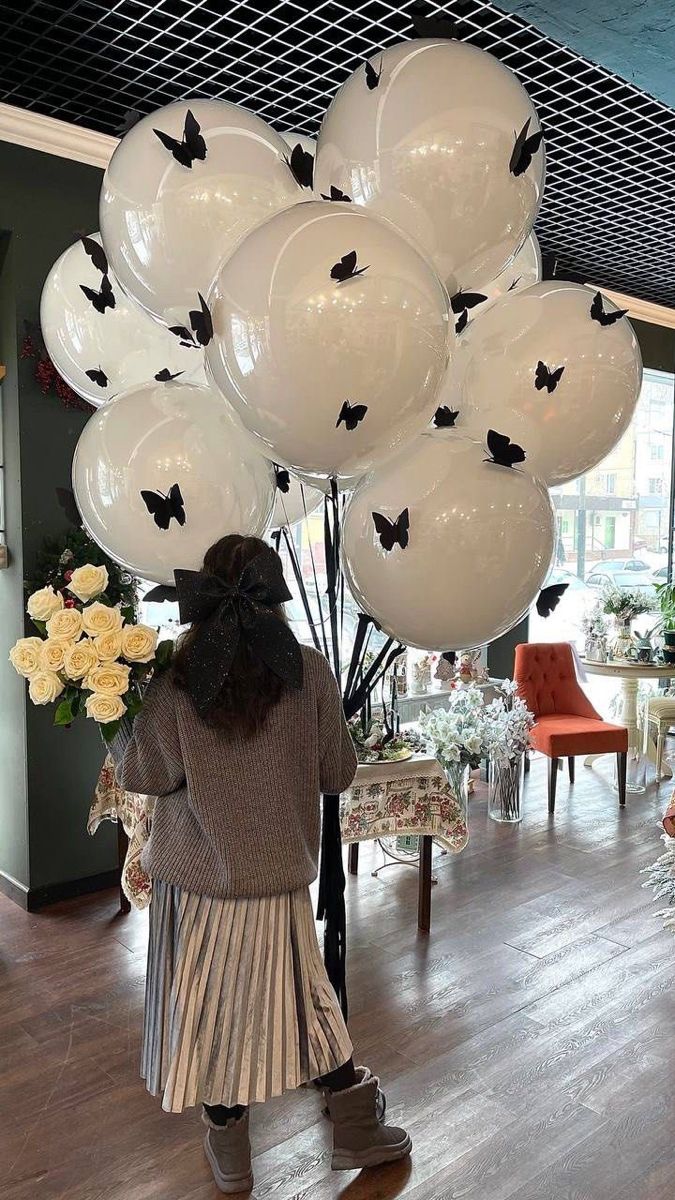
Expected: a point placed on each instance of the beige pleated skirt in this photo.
(238, 1006)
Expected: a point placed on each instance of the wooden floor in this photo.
(528, 1043)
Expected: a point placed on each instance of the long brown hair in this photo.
(250, 689)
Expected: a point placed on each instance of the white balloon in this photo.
(430, 148)
(481, 540)
(522, 272)
(292, 346)
(569, 429)
(122, 344)
(149, 440)
(295, 504)
(299, 139)
(167, 227)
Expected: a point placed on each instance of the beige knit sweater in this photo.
(237, 816)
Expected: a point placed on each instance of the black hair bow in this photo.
(225, 613)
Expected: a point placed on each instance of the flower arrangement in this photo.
(377, 743)
(87, 643)
(507, 722)
(625, 603)
(593, 623)
(456, 733)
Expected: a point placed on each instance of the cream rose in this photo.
(79, 659)
(103, 708)
(43, 604)
(99, 618)
(52, 653)
(25, 656)
(45, 687)
(139, 643)
(88, 581)
(108, 645)
(110, 679)
(65, 625)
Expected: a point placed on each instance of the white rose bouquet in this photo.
(91, 656)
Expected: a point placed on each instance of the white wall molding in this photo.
(31, 129)
(641, 310)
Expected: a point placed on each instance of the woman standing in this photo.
(237, 741)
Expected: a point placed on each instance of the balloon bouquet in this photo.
(371, 319)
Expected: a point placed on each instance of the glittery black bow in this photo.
(228, 612)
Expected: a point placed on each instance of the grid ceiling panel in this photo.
(609, 210)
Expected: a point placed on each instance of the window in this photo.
(655, 486)
(657, 452)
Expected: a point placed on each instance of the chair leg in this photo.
(622, 764)
(570, 768)
(552, 781)
(660, 741)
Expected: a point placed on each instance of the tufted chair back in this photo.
(547, 680)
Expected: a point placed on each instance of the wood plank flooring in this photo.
(528, 1042)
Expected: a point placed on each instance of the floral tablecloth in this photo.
(385, 800)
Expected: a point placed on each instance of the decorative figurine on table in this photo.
(469, 669)
(445, 669)
(595, 628)
(421, 675)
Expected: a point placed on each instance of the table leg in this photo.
(424, 902)
(122, 847)
(353, 858)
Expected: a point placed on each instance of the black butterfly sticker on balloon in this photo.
(301, 163)
(102, 299)
(163, 592)
(432, 25)
(503, 452)
(372, 76)
(550, 597)
(98, 376)
(282, 479)
(191, 147)
(605, 318)
(96, 253)
(336, 194)
(462, 322)
(392, 533)
(346, 268)
(165, 508)
(515, 283)
(524, 149)
(164, 376)
(544, 377)
(201, 323)
(351, 415)
(445, 417)
(461, 302)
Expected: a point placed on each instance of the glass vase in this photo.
(505, 789)
(454, 811)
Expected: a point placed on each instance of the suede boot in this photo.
(228, 1150)
(359, 1139)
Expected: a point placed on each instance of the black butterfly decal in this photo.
(605, 318)
(544, 377)
(550, 597)
(164, 376)
(98, 376)
(428, 25)
(462, 322)
(392, 533)
(282, 479)
(515, 283)
(351, 414)
(96, 253)
(130, 118)
(346, 268)
(372, 76)
(301, 163)
(524, 149)
(191, 147)
(102, 299)
(444, 417)
(461, 302)
(163, 591)
(164, 508)
(336, 194)
(202, 326)
(503, 452)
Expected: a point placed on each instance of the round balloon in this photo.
(554, 367)
(330, 337)
(442, 139)
(445, 550)
(522, 272)
(294, 500)
(183, 186)
(162, 472)
(99, 340)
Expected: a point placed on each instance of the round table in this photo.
(630, 674)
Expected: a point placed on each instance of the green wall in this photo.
(49, 775)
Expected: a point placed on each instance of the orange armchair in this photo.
(566, 722)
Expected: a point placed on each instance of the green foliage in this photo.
(108, 731)
(75, 549)
(68, 707)
(665, 593)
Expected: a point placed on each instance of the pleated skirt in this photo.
(238, 1006)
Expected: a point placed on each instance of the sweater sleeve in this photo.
(338, 757)
(147, 752)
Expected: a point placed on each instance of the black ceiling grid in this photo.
(609, 210)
